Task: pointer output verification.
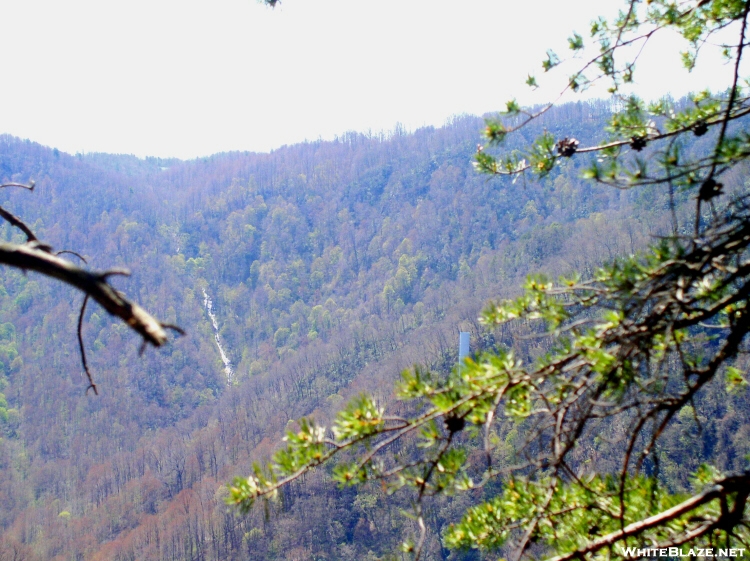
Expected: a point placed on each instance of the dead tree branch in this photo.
(35, 255)
(29, 258)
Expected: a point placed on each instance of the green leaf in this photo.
(575, 43)
(735, 381)
(551, 61)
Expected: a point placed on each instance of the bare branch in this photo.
(30, 185)
(92, 385)
(18, 223)
(175, 328)
(114, 273)
(28, 258)
(720, 489)
(67, 251)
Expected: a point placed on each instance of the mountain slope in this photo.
(331, 266)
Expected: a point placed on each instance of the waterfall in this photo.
(224, 358)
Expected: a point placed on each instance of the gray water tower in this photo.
(463, 346)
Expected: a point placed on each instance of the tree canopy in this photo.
(628, 352)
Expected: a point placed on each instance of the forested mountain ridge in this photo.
(331, 266)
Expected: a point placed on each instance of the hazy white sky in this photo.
(189, 78)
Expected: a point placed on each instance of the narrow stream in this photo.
(224, 358)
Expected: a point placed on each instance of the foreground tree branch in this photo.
(629, 351)
(30, 258)
(35, 255)
(721, 489)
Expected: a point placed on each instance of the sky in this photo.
(188, 78)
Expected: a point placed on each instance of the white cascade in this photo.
(224, 358)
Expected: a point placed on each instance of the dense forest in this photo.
(302, 277)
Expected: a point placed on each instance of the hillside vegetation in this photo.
(331, 266)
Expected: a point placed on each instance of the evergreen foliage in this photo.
(142, 468)
(630, 349)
